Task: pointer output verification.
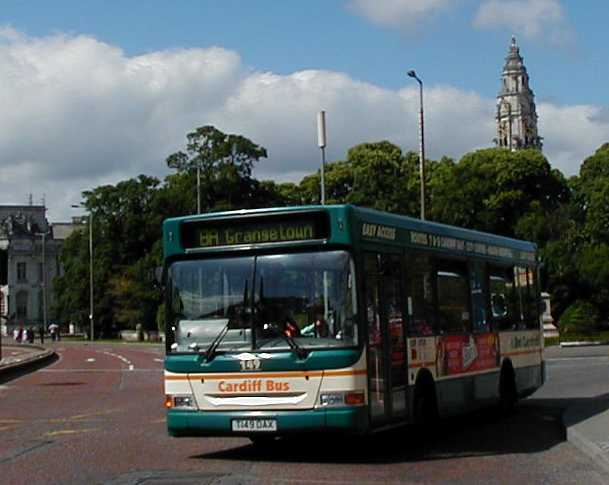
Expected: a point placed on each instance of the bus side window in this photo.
(501, 290)
(531, 307)
(454, 314)
(521, 291)
(420, 301)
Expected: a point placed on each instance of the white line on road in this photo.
(158, 360)
(91, 360)
(124, 359)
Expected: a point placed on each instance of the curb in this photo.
(16, 369)
(582, 344)
(586, 446)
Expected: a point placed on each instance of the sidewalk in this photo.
(18, 359)
(587, 428)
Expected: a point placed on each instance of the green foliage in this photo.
(127, 219)
(160, 318)
(513, 193)
(225, 162)
(492, 189)
(581, 317)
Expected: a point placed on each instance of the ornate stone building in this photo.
(29, 261)
(516, 113)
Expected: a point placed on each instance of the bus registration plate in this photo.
(254, 424)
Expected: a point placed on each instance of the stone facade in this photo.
(30, 248)
(516, 112)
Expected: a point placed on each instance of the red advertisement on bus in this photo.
(458, 354)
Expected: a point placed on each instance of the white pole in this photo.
(91, 274)
(198, 189)
(321, 142)
(44, 281)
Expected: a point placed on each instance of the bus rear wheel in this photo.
(507, 391)
(425, 407)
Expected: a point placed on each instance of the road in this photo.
(96, 416)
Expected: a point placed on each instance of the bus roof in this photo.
(373, 216)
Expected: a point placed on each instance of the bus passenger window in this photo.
(521, 291)
(453, 298)
(420, 297)
(501, 289)
(531, 301)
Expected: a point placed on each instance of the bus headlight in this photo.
(180, 401)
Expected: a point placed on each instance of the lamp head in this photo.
(411, 73)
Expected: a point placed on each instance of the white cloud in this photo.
(571, 134)
(78, 113)
(398, 13)
(532, 18)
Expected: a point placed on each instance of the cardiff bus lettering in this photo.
(256, 385)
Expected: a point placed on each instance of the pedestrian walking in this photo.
(41, 333)
(30, 335)
(53, 329)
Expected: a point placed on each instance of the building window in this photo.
(21, 272)
(22, 304)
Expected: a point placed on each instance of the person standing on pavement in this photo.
(41, 333)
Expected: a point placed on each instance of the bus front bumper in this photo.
(182, 423)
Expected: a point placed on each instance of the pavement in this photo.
(19, 359)
(586, 425)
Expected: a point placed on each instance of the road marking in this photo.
(91, 360)
(120, 357)
(158, 360)
(69, 431)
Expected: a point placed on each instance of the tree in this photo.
(126, 225)
(225, 162)
(491, 189)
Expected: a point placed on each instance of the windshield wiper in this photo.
(210, 353)
(298, 350)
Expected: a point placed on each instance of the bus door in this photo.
(387, 370)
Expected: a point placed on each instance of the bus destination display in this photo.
(208, 235)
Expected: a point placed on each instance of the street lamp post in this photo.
(44, 278)
(92, 337)
(413, 74)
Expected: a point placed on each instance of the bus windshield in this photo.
(258, 301)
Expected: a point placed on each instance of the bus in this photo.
(342, 319)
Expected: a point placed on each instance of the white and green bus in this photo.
(338, 318)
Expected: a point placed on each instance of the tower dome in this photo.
(516, 112)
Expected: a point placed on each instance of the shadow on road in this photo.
(535, 426)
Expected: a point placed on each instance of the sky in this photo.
(96, 92)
